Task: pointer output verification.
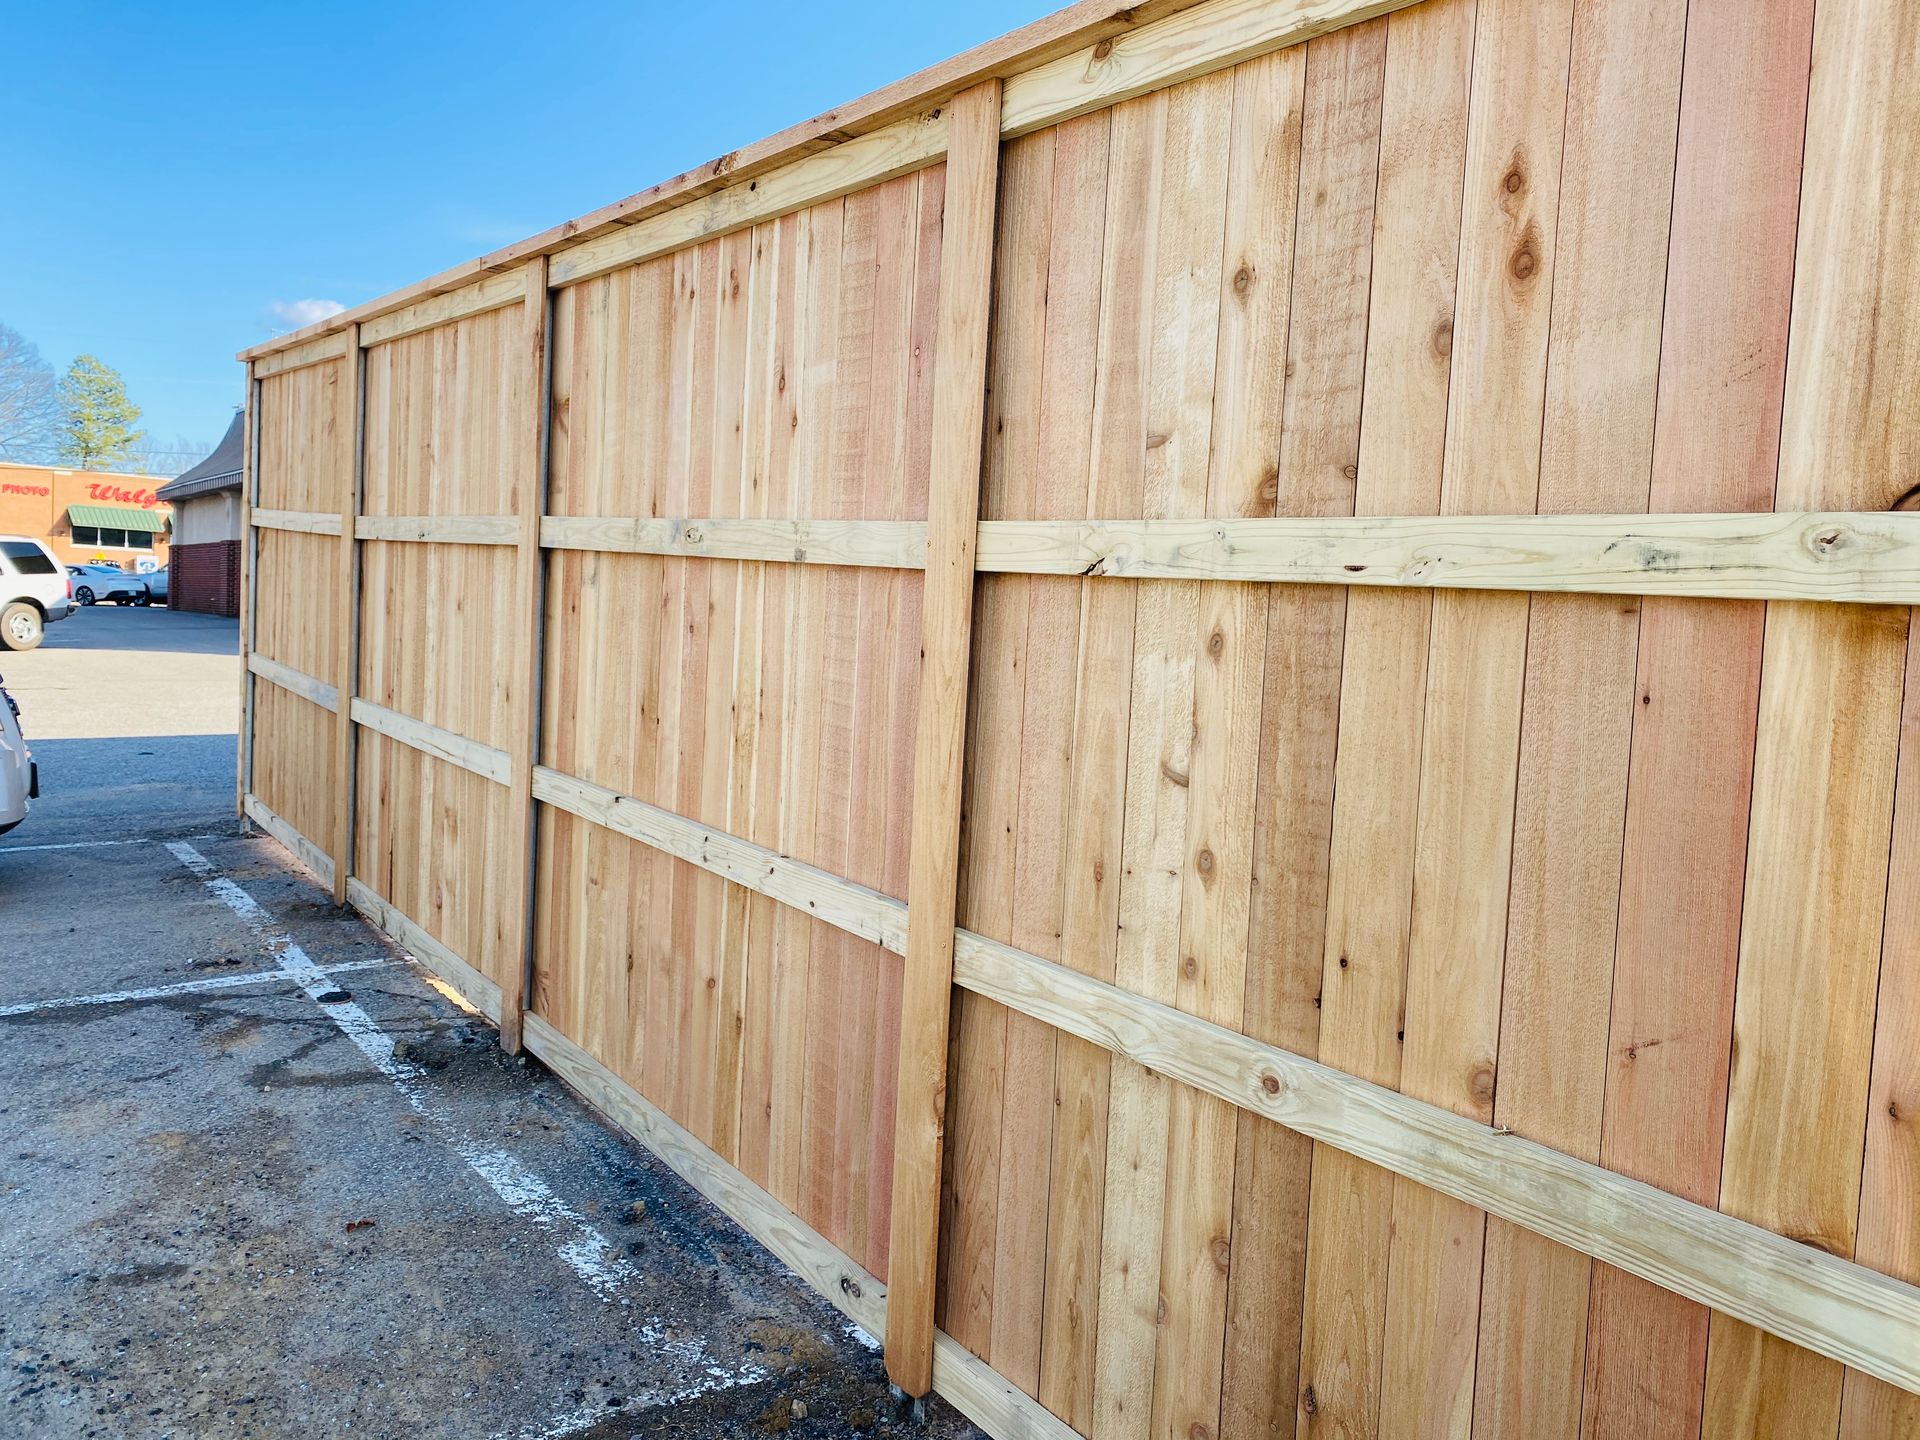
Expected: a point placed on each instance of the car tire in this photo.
(21, 626)
(84, 595)
(144, 601)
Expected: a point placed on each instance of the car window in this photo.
(27, 558)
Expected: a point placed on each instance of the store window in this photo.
(107, 539)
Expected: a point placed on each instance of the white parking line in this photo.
(182, 987)
(587, 1252)
(69, 845)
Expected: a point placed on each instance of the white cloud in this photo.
(295, 313)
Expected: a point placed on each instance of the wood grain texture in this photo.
(1475, 680)
(442, 529)
(1715, 445)
(1793, 1289)
(1818, 1300)
(1379, 662)
(966, 269)
(473, 987)
(1889, 1235)
(302, 849)
(1356, 973)
(1623, 101)
(1830, 697)
(307, 522)
(326, 696)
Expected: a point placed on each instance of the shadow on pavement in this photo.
(151, 785)
(153, 630)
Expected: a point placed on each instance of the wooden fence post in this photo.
(953, 515)
(249, 582)
(347, 619)
(528, 644)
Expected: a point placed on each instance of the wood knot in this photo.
(1221, 1251)
(1524, 263)
(1099, 871)
(1243, 280)
(1515, 179)
(1309, 1401)
(1443, 339)
(1480, 1083)
(1189, 967)
(1199, 1432)
(1102, 51)
(1270, 1083)
(1216, 644)
(1203, 862)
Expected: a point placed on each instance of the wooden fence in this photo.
(1215, 709)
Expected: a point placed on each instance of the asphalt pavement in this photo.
(132, 715)
(261, 1176)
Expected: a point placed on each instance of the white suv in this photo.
(34, 589)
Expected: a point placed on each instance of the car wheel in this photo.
(84, 595)
(21, 627)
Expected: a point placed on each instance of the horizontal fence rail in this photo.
(446, 529)
(488, 761)
(1862, 558)
(294, 682)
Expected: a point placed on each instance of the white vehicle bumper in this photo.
(17, 778)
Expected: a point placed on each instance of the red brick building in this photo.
(206, 529)
(87, 517)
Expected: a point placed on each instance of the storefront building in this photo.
(87, 517)
(206, 529)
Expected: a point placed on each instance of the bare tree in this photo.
(30, 413)
(154, 456)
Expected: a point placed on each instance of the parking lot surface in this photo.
(259, 1176)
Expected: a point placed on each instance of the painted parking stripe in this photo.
(69, 845)
(586, 1252)
(584, 1249)
(183, 987)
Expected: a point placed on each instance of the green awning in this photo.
(118, 517)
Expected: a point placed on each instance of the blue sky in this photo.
(172, 174)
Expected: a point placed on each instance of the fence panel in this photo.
(1382, 1004)
(304, 464)
(445, 437)
(779, 372)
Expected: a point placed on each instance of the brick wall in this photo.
(206, 578)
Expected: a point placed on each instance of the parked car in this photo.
(94, 583)
(19, 776)
(157, 585)
(32, 591)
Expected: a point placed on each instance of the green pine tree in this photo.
(98, 429)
